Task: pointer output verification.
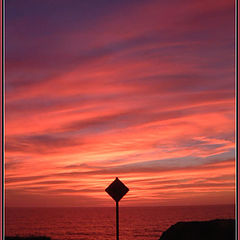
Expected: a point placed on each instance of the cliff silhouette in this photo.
(28, 238)
(219, 229)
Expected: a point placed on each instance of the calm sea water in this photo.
(139, 223)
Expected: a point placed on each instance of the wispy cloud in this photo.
(138, 89)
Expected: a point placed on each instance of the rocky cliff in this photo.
(219, 229)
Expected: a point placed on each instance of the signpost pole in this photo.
(117, 222)
(117, 190)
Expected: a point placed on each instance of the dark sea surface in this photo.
(136, 223)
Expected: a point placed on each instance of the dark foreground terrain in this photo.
(219, 229)
(28, 238)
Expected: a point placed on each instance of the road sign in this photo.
(117, 190)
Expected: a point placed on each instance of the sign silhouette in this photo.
(117, 190)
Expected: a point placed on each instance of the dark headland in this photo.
(219, 229)
(28, 238)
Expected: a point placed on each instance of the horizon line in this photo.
(203, 205)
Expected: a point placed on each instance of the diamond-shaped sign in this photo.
(117, 190)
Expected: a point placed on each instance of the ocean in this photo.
(136, 223)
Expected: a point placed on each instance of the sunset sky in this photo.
(140, 90)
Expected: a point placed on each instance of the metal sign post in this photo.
(117, 222)
(117, 190)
